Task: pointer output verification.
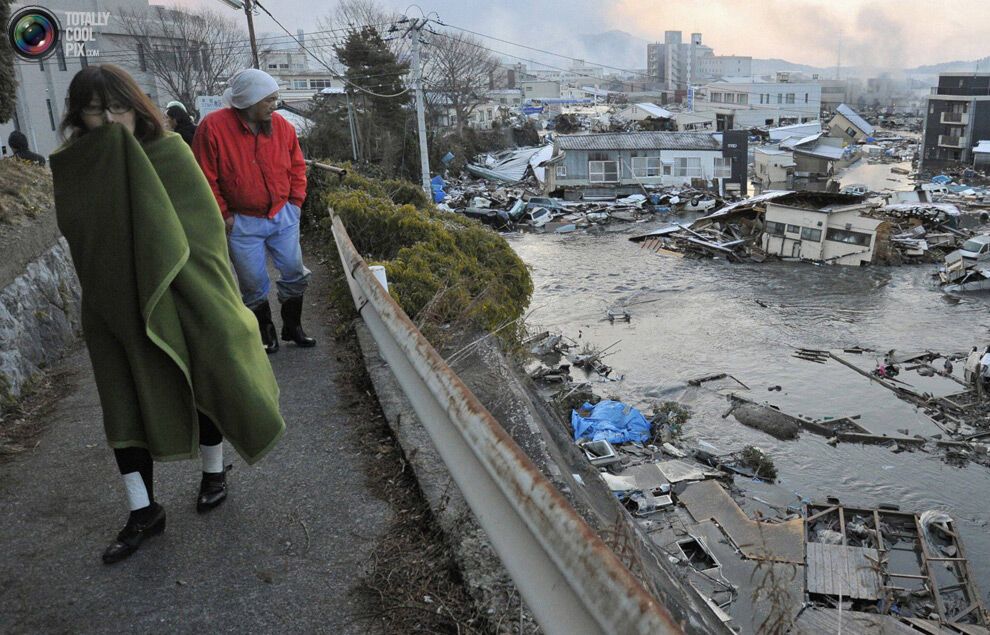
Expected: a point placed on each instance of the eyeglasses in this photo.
(116, 109)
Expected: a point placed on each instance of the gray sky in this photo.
(879, 33)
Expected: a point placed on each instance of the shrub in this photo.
(441, 267)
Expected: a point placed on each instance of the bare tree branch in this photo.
(190, 53)
(459, 71)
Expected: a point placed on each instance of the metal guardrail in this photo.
(568, 577)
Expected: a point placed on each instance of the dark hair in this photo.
(179, 114)
(17, 140)
(109, 83)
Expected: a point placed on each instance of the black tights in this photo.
(139, 460)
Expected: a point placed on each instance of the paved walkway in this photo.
(280, 555)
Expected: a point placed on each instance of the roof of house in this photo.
(855, 119)
(820, 151)
(798, 129)
(982, 146)
(653, 110)
(639, 141)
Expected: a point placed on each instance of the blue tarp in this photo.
(436, 184)
(941, 179)
(612, 421)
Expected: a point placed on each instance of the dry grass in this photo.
(25, 191)
(25, 418)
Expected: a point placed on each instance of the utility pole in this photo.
(424, 157)
(248, 11)
(248, 7)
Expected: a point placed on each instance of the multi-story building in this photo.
(677, 65)
(747, 102)
(42, 86)
(957, 119)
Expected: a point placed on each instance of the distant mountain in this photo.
(982, 65)
(771, 66)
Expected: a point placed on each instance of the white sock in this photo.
(137, 493)
(212, 458)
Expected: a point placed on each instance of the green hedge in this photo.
(442, 268)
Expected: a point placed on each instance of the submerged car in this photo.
(537, 217)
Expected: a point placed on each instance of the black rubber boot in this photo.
(292, 330)
(264, 314)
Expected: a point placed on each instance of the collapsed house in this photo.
(818, 227)
(849, 126)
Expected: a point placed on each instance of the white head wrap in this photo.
(248, 87)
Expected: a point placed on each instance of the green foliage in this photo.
(8, 84)
(758, 461)
(442, 267)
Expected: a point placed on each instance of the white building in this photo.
(747, 102)
(677, 64)
(836, 233)
(772, 166)
(539, 89)
(43, 86)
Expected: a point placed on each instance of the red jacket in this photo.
(250, 174)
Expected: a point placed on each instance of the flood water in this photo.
(692, 318)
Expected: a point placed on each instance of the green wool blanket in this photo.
(165, 326)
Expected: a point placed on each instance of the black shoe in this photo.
(263, 313)
(292, 330)
(138, 527)
(212, 491)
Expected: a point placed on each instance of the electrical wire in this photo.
(324, 64)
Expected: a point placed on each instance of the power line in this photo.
(539, 50)
(327, 66)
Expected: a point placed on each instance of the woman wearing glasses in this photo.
(178, 362)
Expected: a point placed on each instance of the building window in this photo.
(51, 113)
(851, 131)
(814, 235)
(723, 167)
(142, 63)
(742, 98)
(687, 166)
(806, 98)
(320, 83)
(717, 97)
(299, 84)
(284, 66)
(562, 171)
(603, 171)
(780, 98)
(273, 66)
(848, 237)
(793, 229)
(774, 228)
(647, 166)
(790, 98)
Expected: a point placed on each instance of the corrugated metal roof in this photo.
(639, 141)
(982, 146)
(855, 119)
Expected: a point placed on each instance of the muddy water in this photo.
(691, 318)
(877, 176)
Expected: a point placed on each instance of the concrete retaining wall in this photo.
(39, 304)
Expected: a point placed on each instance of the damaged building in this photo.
(829, 228)
(613, 164)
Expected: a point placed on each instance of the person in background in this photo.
(19, 144)
(252, 160)
(174, 352)
(178, 120)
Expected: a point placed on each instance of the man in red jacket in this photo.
(251, 158)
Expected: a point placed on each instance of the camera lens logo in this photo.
(34, 33)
